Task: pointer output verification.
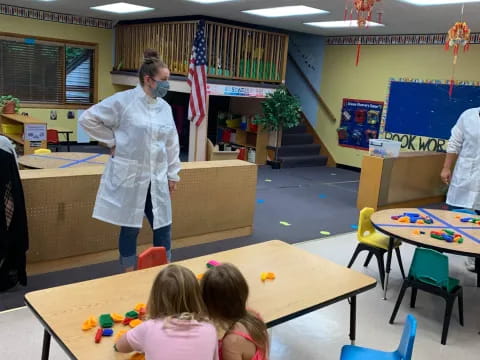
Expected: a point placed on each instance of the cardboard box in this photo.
(215, 200)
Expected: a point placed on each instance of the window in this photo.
(47, 72)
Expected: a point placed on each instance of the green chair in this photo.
(429, 272)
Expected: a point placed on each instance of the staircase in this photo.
(299, 150)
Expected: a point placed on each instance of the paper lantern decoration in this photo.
(363, 10)
(458, 36)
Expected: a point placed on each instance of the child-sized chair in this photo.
(404, 351)
(52, 138)
(154, 256)
(375, 243)
(429, 272)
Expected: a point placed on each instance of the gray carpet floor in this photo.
(311, 200)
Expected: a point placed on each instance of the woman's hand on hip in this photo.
(446, 175)
(172, 186)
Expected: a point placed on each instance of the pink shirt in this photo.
(175, 340)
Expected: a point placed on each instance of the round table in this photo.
(442, 219)
(63, 160)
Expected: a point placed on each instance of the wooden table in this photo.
(304, 283)
(63, 160)
(442, 220)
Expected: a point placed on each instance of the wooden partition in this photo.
(233, 52)
(410, 180)
(215, 200)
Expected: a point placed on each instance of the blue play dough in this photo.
(259, 201)
(322, 196)
(354, 227)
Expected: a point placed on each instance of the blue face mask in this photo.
(161, 89)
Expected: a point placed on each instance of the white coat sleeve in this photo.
(456, 139)
(173, 155)
(101, 119)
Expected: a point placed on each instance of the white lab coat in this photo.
(464, 190)
(146, 152)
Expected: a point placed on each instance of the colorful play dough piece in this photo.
(117, 317)
(135, 323)
(90, 323)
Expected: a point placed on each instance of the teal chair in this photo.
(404, 351)
(429, 272)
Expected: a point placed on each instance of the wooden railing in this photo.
(233, 52)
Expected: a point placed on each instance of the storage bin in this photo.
(12, 129)
(384, 148)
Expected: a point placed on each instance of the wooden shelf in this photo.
(22, 119)
(236, 129)
(242, 145)
(16, 138)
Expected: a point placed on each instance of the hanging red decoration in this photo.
(363, 10)
(458, 36)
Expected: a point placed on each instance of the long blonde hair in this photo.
(225, 293)
(176, 293)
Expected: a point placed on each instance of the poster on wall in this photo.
(360, 122)
(35, 132)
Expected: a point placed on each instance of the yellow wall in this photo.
(103, 37)
(369, 81)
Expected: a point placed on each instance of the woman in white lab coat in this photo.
(138, 126)
(464, 148)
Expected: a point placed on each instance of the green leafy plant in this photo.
(5, 99)
(280, 110)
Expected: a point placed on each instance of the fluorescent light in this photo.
(341, 24)
(286, 11)
(438, 2)
(121, 8)
(209, 1)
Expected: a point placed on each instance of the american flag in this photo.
(197, 77)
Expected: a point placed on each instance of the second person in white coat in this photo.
(138, 126)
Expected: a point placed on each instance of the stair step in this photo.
(297, 139)
(299, 150)
(303, 161)
(300, 129)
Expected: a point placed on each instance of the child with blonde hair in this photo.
(177, 328)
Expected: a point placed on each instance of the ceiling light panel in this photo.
(121, 8)
(341, 24)
(286, 11)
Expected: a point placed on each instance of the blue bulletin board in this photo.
(359, 123)
(426, 109)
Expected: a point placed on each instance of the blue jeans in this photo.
(127, 243)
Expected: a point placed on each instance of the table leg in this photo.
(389, 264)
(477, 270)
(68, 142)
(353, 318)
(46, 345)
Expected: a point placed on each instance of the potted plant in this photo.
(9, 104)
(280, 110)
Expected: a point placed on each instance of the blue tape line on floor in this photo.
(457, 229)
(80, 161)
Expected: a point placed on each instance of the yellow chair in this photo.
(375, 243)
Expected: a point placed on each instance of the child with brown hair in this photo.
(225, 293)
(177, 328)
